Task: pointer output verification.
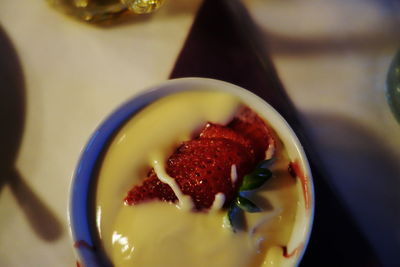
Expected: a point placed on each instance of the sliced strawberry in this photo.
(202, 168)
(151, 188)
(212, 130)
(253, 128)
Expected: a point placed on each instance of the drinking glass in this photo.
(393, 86)
(103, 10)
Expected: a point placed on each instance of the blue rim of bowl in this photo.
(80, 215)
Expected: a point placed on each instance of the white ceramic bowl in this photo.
(81, 208)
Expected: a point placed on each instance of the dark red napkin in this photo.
(223, 44)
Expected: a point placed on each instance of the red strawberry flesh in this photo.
(151, 188)
(212, 130)
(202, 168)
(253, 128)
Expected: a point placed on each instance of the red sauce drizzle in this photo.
(296, 171)
(78, 264)
(286, 254)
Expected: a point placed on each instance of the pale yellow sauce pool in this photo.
(162, 234)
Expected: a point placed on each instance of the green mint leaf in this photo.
(246, 204)
(255, 179)
(236, 218)
(231, 216)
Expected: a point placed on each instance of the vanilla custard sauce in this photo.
(163, 234)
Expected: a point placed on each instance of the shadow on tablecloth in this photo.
(12, 117)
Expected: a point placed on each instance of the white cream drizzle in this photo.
(184, 201)
(219, 201)
(270, 151)
(234, 175)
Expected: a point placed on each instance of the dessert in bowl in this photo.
(193, 172)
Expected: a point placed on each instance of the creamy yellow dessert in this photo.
(160, 233)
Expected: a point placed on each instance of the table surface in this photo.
(60, 78)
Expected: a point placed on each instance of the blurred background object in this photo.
(103, 10)
(393, 86)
